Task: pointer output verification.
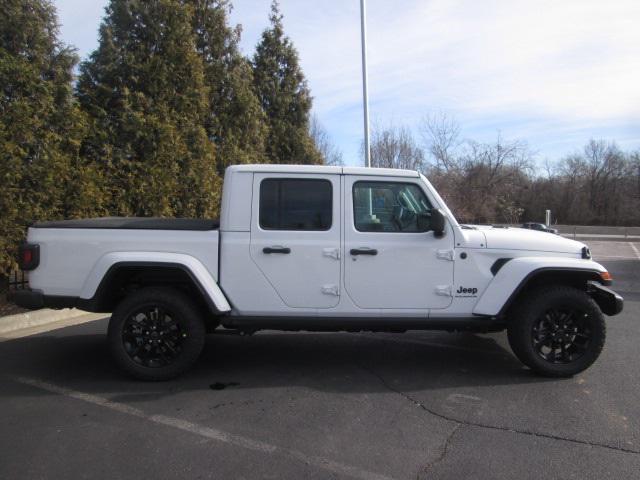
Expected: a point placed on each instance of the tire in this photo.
(156, 334)
(557, 331)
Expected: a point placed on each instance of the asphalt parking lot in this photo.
(367, 406)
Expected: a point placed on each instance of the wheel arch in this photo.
(114, 278)
(577, 278)
(517, 278)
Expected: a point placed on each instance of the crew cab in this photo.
(320, 249)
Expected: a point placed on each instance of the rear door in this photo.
(295, 236)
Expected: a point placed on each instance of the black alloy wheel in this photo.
(562, 336)
(153, 336)
(556, 330)
(156, 333)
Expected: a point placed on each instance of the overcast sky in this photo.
(552, 72)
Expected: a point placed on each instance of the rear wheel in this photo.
(156, 334)
(557, 331)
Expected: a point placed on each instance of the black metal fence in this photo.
(18, 281)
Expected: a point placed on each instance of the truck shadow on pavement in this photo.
(326, 362)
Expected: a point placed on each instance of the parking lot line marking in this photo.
(206, 432)
(635, 250)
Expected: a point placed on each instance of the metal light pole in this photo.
(365, 94)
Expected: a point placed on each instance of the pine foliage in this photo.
(144, 89)
(163, 105)
(40, 125)
(235, 121)
(284, 95)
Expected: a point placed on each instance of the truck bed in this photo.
(134, 223)
(74, 253)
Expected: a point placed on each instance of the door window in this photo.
(390, 207)
(295, 204)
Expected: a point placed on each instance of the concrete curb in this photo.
(36, 318)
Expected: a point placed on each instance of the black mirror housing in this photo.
(438, 222)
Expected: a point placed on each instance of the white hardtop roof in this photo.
(271, 168)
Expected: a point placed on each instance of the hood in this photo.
(523, 239)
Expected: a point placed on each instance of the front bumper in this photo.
(609, 301)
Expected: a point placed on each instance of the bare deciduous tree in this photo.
(497, 181)
(441, 136)
(395, 147)
(331, 155)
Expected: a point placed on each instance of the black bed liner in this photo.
(134, 223)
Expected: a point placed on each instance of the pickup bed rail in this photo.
(132, 223)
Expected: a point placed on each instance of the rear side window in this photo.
(295, 204)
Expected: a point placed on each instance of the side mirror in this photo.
(438, 222)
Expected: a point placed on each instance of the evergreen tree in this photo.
(235, 120)
(144, 90)
(40, 124)
(282, 90)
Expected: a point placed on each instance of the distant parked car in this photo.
(541, 227)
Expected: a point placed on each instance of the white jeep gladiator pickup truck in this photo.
(320, 249)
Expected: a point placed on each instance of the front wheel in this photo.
(557, 331)
(156, 334)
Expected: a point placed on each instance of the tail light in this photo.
(29, 256)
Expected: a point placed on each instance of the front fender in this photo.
(514, 275)
(192, 265)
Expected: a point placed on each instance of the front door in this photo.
(392, 258)
(295, 236)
